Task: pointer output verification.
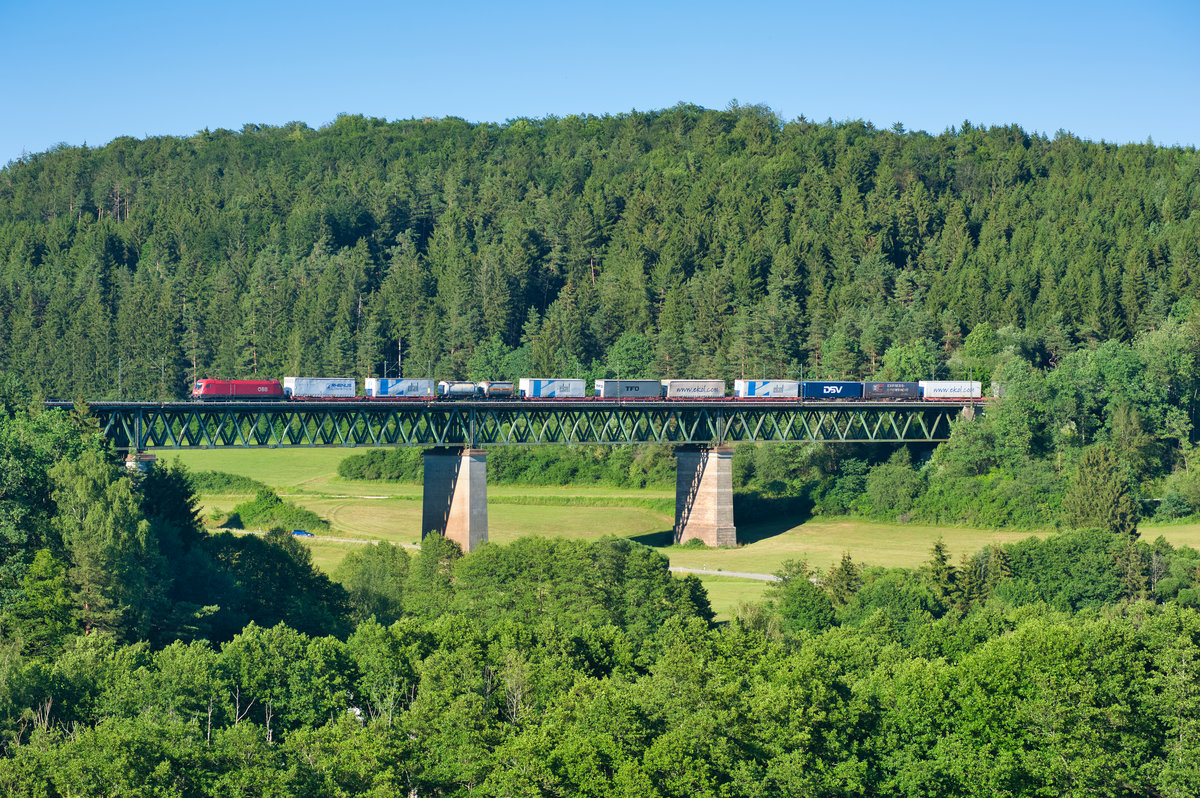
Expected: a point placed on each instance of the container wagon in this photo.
(537, 388)
(398, 388)
(455, 389)
(891, 390)
(628, 389)
(951, 389)
(320, 387)
(694, 389)
(766, 389)
(833, 389)
(497, 389)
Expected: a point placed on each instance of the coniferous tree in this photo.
(1099, 494)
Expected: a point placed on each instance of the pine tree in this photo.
(1100, 495)
(844, 581)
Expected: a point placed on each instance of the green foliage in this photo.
(374, 577)
(801, 604)
(1100, 495)
(266, 510)
(892, 488)
(41, 616)
(220, 483)
(663, 243)
(913, 361)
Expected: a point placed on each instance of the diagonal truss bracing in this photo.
(148, 426)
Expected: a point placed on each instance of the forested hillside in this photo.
(140, 655)
(682, 242)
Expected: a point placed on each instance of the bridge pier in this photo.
(704, 495)
(454, 502)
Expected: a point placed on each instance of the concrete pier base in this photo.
(455, 497)
(704, 495)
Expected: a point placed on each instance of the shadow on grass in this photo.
(757, 517)
(655, 540)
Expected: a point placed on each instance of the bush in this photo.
(218, 482)
(266, 509)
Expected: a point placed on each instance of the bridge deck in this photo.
(141, 426)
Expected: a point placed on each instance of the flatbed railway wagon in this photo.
(403, 388)
(892, 390)
(832, 389)
(766, 389)
(693, 389)
(628, 389)
(539, 388)
(933, 390)
(320, 387)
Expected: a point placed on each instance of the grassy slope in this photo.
(387, 512)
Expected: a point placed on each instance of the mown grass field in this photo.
(379, 511)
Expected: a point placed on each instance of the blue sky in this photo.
(89, 72)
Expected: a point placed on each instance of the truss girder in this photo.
(150, 426)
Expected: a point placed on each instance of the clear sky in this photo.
(79, 72)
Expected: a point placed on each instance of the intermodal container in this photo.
(457, 390)
(694, 389)
(831, 390)
(497, 390)
(951, 389)
(766, 389)
(537, 388)
(891, 390)
(321, 387)
(628, 389)
(377, 387)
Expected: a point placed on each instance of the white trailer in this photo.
(628, 389)
(950, 389)
(537, 388)
(320, 387)
(766, 389)
(374, 386)
(694, 389)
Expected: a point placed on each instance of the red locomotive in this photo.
(238, 390)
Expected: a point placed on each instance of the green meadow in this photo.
(361, 512)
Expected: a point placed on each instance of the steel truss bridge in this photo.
(146, 426)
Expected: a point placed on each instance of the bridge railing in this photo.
(177, 425)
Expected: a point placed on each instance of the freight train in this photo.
(343, 388)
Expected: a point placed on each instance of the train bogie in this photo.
(693, 389)
(766, 389)
(320, 387)
(398, 388)
(628, 389)
(891, 390)
(537, 388)
(951, 389)
(833, 389)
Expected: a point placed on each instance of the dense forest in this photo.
(685, 242)
(140, 655)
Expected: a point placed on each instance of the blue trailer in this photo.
(836, 389)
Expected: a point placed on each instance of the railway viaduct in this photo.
(455, 436)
